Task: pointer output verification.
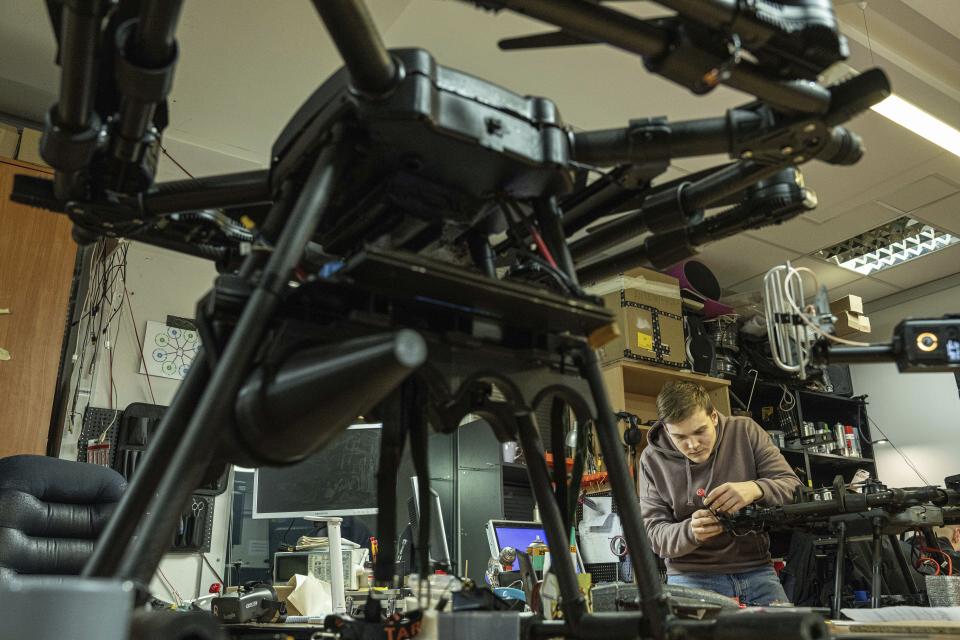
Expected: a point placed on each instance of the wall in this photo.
(919, 412)
(159, 283)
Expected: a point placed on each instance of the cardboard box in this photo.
(30, 147)
(9, 140)
(647, 310)
(854, 304)
(848, 323)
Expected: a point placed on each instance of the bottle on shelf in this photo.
(852, 441)
(840, 439)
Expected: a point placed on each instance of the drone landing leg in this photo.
(653, 602)
(558, 539)
(214, 404)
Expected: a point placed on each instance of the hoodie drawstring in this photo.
(690, 482)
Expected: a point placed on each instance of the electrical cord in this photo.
(802, 313)
(756, 374)
(895, 448)
(783, 404)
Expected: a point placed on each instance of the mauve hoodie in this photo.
(671, 491)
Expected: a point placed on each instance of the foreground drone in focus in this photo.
(407, 255)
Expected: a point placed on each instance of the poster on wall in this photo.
(168, 351)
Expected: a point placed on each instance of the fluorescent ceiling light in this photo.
(920, 122)
(888, 245)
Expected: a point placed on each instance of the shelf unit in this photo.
(633, 386)
(819, 469)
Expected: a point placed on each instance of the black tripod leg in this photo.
(838, 569)
(415, 417)
(572, 602)
(557, 409)
(392, 438)
(876, 561)
(198, 446)
(133, 505)
(653, 602)
(902, 564)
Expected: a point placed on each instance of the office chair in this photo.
(51, 513)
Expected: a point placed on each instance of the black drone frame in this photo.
(876, 511)
(394, 176)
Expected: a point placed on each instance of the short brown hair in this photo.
(681, 399)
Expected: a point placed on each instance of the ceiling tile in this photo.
(752, 284)
(800, 235)
(853, 222)
(919, 193)
(890, 150)
(867, 288)
(944, 214)
(740, 257)
(930, 267)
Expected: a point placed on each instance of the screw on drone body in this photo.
(810, 128)
(494, 126)
(798, 159)
(786, 150)
(746, 154)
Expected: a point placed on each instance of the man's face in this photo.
(695, 435)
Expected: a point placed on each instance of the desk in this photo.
(928, 629)
(264, 631)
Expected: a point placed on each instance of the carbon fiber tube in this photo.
(154, 38)
(726, 181)
(195, 452)
(78, 42)
(372, 70)
(597, 23)
(227, 190)
(653, 601)
(123, 523)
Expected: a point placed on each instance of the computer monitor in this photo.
(517, 534)
(439, 551)
(339, 480)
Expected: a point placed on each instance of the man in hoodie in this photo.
(698, 462)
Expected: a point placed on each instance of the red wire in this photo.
(136, 335)
(542, 246)
(945, 556)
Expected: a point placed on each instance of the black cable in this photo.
(561, 278)
(902, 454)
(283, 541)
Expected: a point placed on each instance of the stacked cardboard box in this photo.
(647, 307)
(850, 317)
(30, 147)
(9, 140)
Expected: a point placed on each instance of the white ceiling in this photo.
(246, 65)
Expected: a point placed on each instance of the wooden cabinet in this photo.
(37, 257)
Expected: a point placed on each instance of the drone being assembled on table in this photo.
(406, 254)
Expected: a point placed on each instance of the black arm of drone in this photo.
(773, 200)
(145, 54)
(799, 42)
(891, 500)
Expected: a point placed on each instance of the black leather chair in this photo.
(51, 512)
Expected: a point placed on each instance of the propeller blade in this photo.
(540, 40)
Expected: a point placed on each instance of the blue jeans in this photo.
(757, 587)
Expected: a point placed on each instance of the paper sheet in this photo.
(903, 614)
(599, 526)
(310, 596)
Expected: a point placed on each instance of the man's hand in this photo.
(704, 525)
(731, 497)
